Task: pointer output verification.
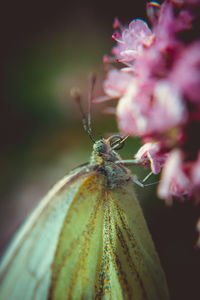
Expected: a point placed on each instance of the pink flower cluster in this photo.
(158, 87)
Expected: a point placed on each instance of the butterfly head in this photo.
(104, 159)
(104, 150)
(100, 147)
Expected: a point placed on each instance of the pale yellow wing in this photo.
(105, 250)
(25, 269)
(133, 253)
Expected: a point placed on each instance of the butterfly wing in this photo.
(131, 250)
(105, 250)
(25, 270)
(84, 241)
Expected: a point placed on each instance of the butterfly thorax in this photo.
(104, 160)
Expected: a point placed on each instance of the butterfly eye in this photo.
(116, 142)
(99, 146)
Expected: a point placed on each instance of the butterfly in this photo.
(87, 239)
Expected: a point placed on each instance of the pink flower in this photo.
(147, 114)
(131, 110)
(116, 83)
(190, 2)
(132, 41)
(185, 74)
(159, 97)
(195, 174)
(169, 109)
(153, 11)
(170, 23)
(179, 178)
(174, 180)
(151, 152)
(184, 20)
(165, 27)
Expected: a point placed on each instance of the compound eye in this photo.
(116, 142)
(99, 146)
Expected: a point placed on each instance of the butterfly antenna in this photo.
(86, 120)
(90, 96)
(75, 93)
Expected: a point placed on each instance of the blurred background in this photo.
(48, 47)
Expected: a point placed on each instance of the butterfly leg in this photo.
(147, 177)
(135, 179)
(129, 162)
(142, 183)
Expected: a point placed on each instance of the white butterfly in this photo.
(87, 239)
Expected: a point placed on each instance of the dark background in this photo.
(48, 47)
